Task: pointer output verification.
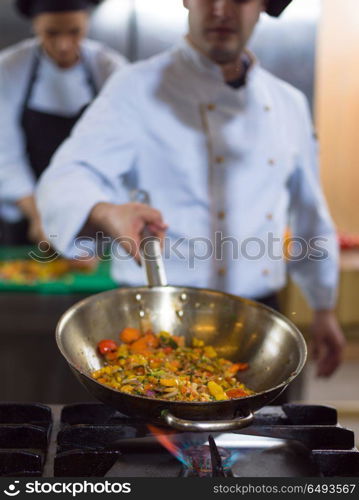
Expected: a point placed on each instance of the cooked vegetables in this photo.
(216, 391)
(106, 346)
(160, 366)
(129, 335)
(27, 271)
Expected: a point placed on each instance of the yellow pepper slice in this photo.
(169, 382)
(127, 388)
(216, 391)
(210, 352)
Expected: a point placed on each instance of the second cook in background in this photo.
(226, 151)
(46, 83)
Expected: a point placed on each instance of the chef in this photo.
(46, 83)
(226, 151)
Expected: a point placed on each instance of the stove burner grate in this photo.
(92, 440)
(24, 438)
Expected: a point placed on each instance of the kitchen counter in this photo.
(74, 281)
(296, 308)
(31, 366)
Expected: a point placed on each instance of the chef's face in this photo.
(60, 34)
(220, 29)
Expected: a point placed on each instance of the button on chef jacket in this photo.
(214, 159)
(58, 91)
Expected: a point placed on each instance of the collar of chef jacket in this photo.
(207, 84)
(205, 65)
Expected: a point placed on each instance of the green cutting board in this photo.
(95, 281)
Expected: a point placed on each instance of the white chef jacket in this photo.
(214, 159)
(56, 90)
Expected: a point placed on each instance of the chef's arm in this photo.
(316, 270)
(318, 281)
(85, 183)
(125, 223)
(328, 342)
(313, 255)
(27, 205)
(17, 181)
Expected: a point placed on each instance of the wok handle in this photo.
(211, 426)
(150, 250)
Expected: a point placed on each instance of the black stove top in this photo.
(93, 440)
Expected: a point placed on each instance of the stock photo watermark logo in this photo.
(192, 250)
(13, 489)
(72, 488)
(43, 253)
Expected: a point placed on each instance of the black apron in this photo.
(43, 133)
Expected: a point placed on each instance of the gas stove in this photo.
(93, 440)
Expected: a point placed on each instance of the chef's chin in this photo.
(66, 62)
(223, 55)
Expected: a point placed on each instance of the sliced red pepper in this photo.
(236, 393)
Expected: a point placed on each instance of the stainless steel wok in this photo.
(240, 329)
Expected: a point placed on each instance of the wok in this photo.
(240, 329)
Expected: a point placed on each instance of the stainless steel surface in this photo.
(151, 257)
(240, 330)
(151, 253)
(213, 426)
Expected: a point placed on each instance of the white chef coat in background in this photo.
(242, 162)
(56, 90)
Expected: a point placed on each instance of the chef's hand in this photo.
(328, 342)
(126, 223)
(35, 231)
(28, 207)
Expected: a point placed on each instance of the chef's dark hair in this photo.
(276, 7)
(31, 8)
